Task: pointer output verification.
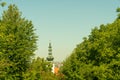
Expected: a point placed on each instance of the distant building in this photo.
(55, 65)
(50, 57)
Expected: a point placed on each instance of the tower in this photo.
(50, 57)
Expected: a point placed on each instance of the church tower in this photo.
(50, 57)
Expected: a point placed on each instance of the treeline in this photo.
(98, 56)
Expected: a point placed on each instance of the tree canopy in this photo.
(17, 46)
(17, 42)
(97, 57)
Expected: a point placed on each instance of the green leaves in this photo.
(118, 10)
(17, 41)
(3, 4)
(97, 57)
(39, 69)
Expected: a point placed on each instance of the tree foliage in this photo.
(17, 46)
(17, 42)
(97, 57)
(40, 69)
(3, 4)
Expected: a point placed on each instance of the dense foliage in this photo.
(40, 69)
(97, 57)
(17, 43)
(17, 46)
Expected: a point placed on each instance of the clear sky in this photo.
(65, 22)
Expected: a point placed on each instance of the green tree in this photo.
(118, 10)
(17, 41)
(40, 69)
(97, 57)
(3, 4)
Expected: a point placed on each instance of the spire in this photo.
(50, 49)
(50, 57)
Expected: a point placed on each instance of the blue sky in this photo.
(65, 22)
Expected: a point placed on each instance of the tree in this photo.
(118, 10)
(17, 41)
(3, 4)
(40, 69)
(97, 57)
